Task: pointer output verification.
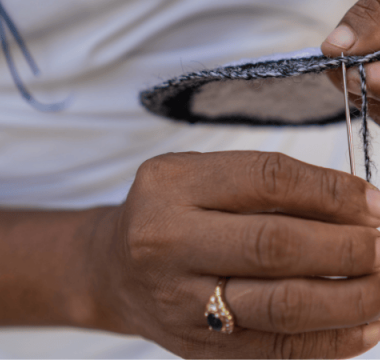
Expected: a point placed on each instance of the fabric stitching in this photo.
(364, 130)
(155, 99)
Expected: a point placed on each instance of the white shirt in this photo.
(101, 53)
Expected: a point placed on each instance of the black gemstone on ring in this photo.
(214, 322)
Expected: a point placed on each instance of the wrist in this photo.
(54, 265)
(104, 303)
(90, 248)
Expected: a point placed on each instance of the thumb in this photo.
(358, 33)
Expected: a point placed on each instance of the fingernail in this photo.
(354, 81)
(371, 334)
(373, 187)
(342, 37)
(373, 202)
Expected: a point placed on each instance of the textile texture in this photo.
(177, 98)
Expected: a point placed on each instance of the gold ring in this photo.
(219, 316)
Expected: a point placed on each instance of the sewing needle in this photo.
(348, 121)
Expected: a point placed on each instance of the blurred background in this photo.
(101, 54)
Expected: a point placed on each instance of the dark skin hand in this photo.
(273, 224)
(358, 34)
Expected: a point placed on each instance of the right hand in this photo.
(358, 34)
(274, 225)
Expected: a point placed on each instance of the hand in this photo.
(358, 34)
(271, 223)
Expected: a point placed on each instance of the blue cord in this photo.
(12, 68)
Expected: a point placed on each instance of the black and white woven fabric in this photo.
(283, 90)
(291, 90)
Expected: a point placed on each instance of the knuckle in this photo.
(146, 237)
(167, 169)
(269, 246)
(288, 308)
(274, 175)
(348, 256)
(148, 167)
(368, 10)
(376, 292)
(139, 245)
(360, 304)
(271, 171)
(331, 347)
(155, 169)
(357, 251)
(323, 344)
(332, 194)
(152, 236)
(312, 345)
(289, 346)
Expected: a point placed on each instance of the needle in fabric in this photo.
(348, 120)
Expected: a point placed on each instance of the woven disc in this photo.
(288, 91)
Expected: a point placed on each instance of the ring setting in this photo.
(219, 316)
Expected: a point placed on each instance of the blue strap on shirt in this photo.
(5, 19)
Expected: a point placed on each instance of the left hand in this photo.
(358, 34)
(271, 223)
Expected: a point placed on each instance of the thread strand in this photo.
(364, 129)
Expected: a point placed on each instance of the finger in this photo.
(300, 305)
(354, 81)
(250, 181)
(292, 306)
(358, 33)
(224, 244)
(330, 344)
(354, 88)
